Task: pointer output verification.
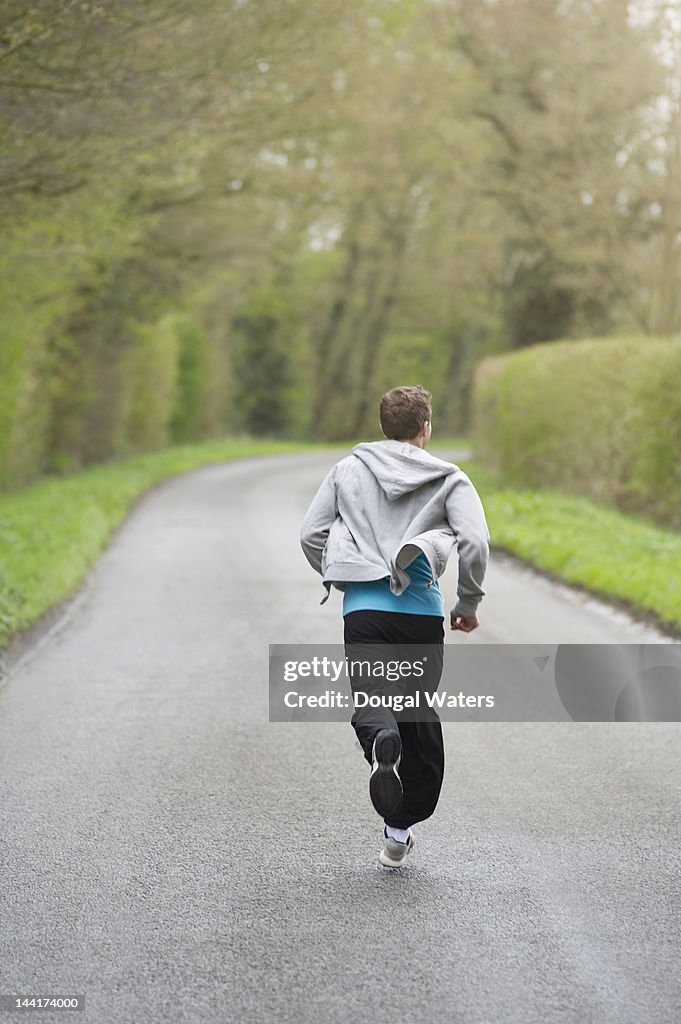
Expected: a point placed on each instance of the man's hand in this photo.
(466, 623)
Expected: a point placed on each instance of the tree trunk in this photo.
(377, 329)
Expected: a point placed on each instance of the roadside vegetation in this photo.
(618, 556)
(52, 532)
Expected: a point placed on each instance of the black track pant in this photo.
(397, 635)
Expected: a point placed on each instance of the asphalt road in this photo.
(174, 857)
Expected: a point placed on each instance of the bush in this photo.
(596, 417)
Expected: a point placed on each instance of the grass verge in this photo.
(624, 558)
(52, 532)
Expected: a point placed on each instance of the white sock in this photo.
(400, 834)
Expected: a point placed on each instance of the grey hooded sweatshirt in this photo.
(385, 504)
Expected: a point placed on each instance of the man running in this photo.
(381, 529)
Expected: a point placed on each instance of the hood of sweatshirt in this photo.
(400, 467)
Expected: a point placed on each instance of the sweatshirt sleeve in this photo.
(467, 518)
(318, 521)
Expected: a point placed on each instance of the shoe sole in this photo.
(385, 786)
(389, 862)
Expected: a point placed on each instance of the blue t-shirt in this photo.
(417, 599)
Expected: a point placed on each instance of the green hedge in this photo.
(599, 417)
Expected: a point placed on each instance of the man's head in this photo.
(406, 415)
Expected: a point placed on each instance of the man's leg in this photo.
(371, 658)
(368, 639)
(423, 756)
(422, 772)
(423, 760)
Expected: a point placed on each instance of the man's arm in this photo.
(318, 521)
(467, 518)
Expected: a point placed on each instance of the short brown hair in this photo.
(404, 411)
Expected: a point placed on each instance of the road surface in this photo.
(174, 857)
